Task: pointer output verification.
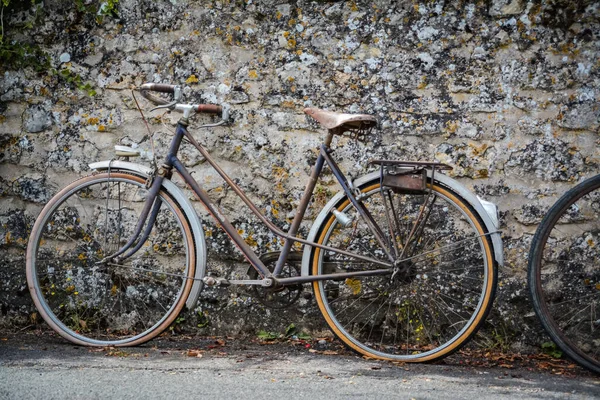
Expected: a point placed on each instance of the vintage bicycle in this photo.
(563, 273)
(403, 261)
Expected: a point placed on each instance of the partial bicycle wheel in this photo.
(442, 292)
(102, 303)
(564, 273)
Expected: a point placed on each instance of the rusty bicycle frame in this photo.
(267, 278)
(151, 208)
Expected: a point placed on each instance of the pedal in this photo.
(212, 281)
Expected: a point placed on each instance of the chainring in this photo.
(282, 296)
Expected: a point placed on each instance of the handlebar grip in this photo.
(163, 87)
(209, 109)
(157, 87)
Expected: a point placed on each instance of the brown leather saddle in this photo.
(339, 123)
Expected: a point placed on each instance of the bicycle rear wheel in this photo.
(102, 303)
(440, 296)
(564, 273)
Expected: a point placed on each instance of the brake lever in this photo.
(168, 105)
(221, 122)
(176, 97)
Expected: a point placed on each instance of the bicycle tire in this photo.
(99, 304)
(430, 330)
(563, 273)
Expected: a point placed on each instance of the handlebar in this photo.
(176, 91)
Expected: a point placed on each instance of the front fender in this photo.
(188, 210)
(490, 221)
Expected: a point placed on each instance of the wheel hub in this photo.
(404, 271)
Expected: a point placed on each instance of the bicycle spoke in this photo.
(385, 326)
(575, 299)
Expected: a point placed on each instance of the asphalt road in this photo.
(42, 366)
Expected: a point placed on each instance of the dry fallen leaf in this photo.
(194, 353)
(97, 349)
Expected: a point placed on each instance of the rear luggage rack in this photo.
(409, 177)
(412, 164)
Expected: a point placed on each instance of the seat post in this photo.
(329, 138)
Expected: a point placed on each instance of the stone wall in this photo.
(504, 91)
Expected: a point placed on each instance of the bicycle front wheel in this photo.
(564, 273)
(103, 303)
(442, 291)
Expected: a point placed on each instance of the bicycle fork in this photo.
(149, 214)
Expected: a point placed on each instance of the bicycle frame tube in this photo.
(308, 191)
